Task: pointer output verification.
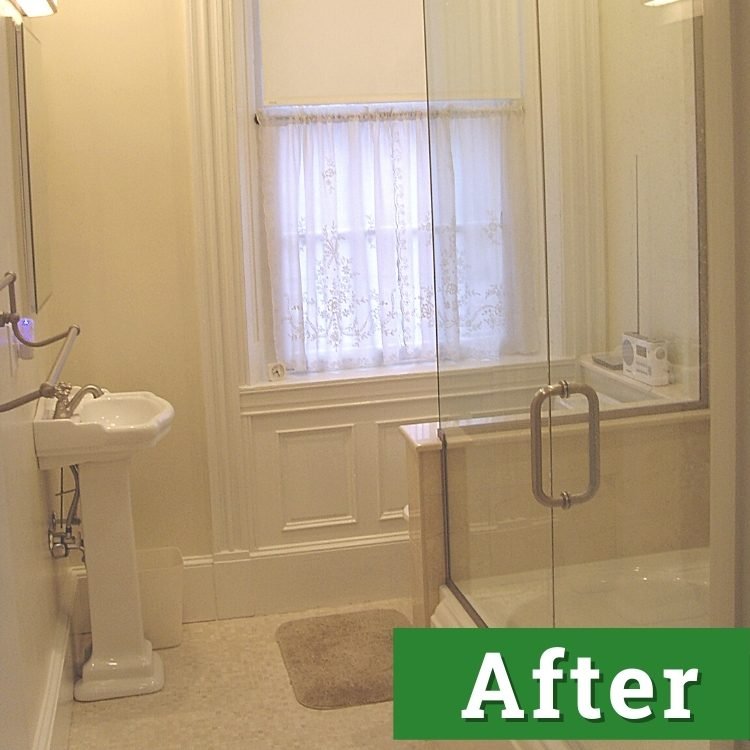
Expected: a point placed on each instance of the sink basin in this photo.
(109, 428)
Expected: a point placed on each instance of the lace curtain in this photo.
(348, 215)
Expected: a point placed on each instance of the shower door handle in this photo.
(563, 389)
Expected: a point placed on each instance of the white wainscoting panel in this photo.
(317, 476)
(326, 462)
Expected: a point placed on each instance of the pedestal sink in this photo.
(101, 437)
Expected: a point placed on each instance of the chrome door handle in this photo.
(563, 389)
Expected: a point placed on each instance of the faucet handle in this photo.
(62, 391)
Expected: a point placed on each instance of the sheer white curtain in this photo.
(486, 259)
(348, 221)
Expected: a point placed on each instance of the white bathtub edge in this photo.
(449, 613)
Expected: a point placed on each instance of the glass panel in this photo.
(569, 244)
(636, 554)
(488, 226)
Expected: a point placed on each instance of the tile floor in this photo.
(227, 689)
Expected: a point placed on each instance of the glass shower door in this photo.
(491, 300)
(568, 208)
(636, 554)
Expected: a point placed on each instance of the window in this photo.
(351, 197)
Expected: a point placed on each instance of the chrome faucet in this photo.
(65, 407)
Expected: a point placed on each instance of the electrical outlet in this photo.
(276, 371)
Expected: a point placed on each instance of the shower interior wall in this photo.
(618, 92)
(649, 113)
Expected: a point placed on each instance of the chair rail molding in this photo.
(219, 265)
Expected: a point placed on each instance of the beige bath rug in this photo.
(341, 660)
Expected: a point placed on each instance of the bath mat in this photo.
(341, 660)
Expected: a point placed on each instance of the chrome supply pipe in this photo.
(7, 280)
(20, 401)
(48, 388)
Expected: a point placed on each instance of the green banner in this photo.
(598, 683)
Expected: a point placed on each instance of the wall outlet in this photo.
(276, 371)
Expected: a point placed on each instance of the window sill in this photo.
(413, 385)
(296, 380)
(391, 372)
(410, 384)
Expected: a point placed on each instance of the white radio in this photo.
(645, 359)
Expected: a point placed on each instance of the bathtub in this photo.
(664, 589)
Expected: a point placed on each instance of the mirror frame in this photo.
(15, 37)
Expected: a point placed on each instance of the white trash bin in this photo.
(160, 574)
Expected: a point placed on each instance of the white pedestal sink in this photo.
(101, 438)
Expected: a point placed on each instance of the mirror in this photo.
(25, 53)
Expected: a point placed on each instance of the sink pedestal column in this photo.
(122, 662)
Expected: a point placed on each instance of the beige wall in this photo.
(338, 51)
(335, 51)
(28, 601)
(474, 48)
(121, 231)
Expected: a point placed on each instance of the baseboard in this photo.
(291, 578)
(199, 589)
(287, 579)
(53, 722)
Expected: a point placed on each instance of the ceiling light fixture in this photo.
(655, 3)
(8, 10)
(33, 8)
